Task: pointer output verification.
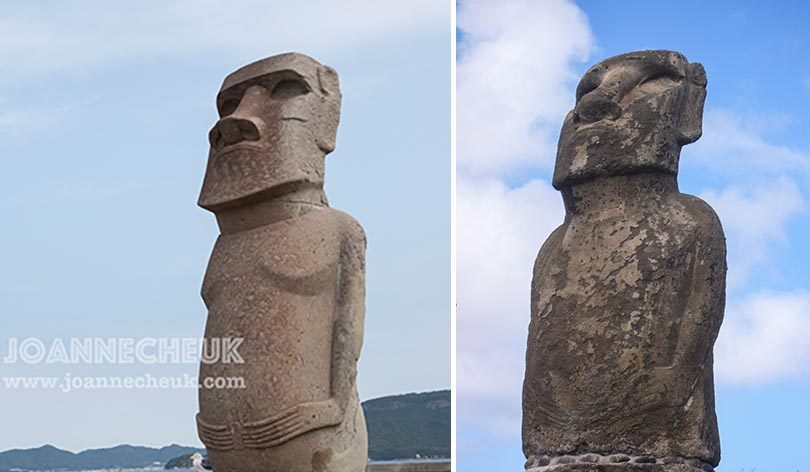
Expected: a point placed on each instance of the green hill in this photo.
(180, 462)
(408, 426)
(50, 458)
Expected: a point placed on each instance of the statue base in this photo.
(619, 468)
(615, 463)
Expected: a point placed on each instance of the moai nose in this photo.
(597, 105)
(233, 130)
(603, 94)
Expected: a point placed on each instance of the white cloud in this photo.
(63, 35)
(500, 232)
(734, 144)
(515, 82)
(764, 339)
(755, 220)
(515, 79)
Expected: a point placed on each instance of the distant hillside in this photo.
(180, 462)
(407, 426)
(399, 427)
(50, 458)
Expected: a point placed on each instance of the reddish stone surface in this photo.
(286, 275)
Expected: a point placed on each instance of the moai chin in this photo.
(286, 275)
(628, 293)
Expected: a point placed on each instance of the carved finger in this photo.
(299, 430)
(275, 418)
(275, 427)
(211, 427)
(215, 434)
(275, 432)
(218, 437)
(217, 443)
(276, 438)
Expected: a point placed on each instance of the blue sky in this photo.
(104, 121)
(518, 65)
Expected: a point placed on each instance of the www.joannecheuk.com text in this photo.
(123, 351)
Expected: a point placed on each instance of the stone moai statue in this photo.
(628, 293)
(286, 276)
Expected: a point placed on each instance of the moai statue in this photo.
(628, 293)
(286, 275)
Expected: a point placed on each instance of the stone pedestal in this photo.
(617, 463)
(620, 468)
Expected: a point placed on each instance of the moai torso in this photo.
(276, 287)
(286, 276)
(628, 293)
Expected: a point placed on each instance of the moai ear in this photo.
(328, 81)
(330, 90)
(691, 124)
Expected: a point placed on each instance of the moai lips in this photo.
(286, 275)
(628, 293)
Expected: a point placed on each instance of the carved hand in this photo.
(320, 414)
(292, 422)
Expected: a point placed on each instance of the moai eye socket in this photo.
(289, 89)
(588, 84)
(652, 85)
(228, 107)
(659, 83)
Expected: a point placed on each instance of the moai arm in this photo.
(347, 337)
(347, 329)
(347, 340)
(540, 407)
(703, 312)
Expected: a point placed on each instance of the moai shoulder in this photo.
(628, 293)
(286, 275)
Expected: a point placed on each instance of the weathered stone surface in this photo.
(628, 293)
(618, 468)
(598, 462)
(286, 275)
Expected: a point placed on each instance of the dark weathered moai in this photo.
(286, 275)
(628, 293)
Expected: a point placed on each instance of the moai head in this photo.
(278, 119)
(633, 114)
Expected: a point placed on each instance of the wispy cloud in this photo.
(16, 118)
(76, 192)
(734, 143)
(47, 35)
(755, 220)
(12, 121)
